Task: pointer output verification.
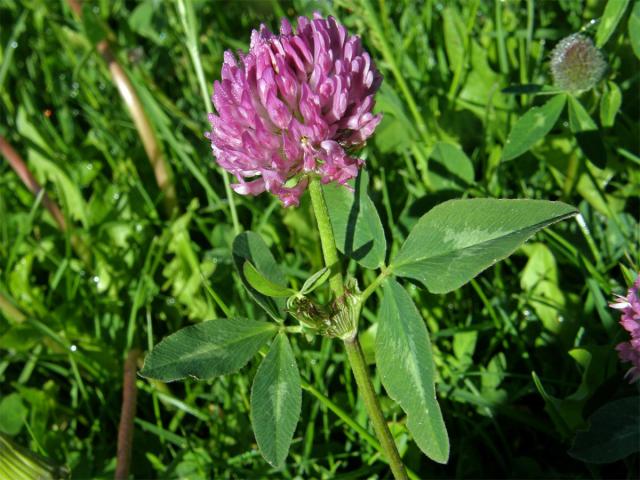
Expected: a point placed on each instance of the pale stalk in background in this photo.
(127, 415)
(159, 164)
(21, 169)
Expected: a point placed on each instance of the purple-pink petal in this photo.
(291, 107)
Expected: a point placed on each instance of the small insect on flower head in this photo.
(294, 105)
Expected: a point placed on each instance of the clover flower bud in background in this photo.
(630, 351)
(576, 63)
(294, 105)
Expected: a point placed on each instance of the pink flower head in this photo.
(293, 106)
(630, 321)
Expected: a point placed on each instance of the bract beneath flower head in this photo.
(292, 106)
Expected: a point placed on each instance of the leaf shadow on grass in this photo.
(591, 144)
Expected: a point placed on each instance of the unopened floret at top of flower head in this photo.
(294, 106)
(629, 351)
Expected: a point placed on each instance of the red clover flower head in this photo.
(295, 105)
(630, 351)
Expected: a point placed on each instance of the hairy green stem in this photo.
(361, 372)
(327, 239)
(350, 422)
(352, 345)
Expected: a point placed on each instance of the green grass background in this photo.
(445, 64)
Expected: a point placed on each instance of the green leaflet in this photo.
(611, 16)
(316, 280)
(13, 414)
(276, 399)
(249, 246)
(610, 102)
(450, 168)
(532, 127)
(634, 28)
(613, 433)
(405, 363)
(579, 118)
(207, 350)
(262, 284)
(458, 239)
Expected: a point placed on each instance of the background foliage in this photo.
(524, 353)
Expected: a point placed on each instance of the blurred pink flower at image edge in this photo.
(630, 307)
(294, 105)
